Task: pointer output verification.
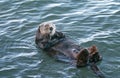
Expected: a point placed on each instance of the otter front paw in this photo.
(60, 35)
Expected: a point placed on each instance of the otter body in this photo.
(58, 45)
(61, 47)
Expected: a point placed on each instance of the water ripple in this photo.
(101, 34)
(7, 68)
(14, 56)
(53, 5)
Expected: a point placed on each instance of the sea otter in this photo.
(59, 46)
(56, 44)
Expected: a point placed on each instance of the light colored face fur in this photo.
(47, 28)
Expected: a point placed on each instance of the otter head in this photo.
(47, 28)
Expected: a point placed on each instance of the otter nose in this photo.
(51, 28)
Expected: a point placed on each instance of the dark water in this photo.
(86, 21)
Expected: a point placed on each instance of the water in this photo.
(87, 22)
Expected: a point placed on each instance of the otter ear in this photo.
(38, 33)
(39, 30)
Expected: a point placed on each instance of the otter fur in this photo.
(56, 44)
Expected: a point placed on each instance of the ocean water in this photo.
(88, 22)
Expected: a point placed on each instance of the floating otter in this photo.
(56, 44)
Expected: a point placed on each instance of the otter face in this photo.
(47, 28)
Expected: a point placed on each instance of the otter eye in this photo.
(51, 28)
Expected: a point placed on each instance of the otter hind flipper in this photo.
(96, 70)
